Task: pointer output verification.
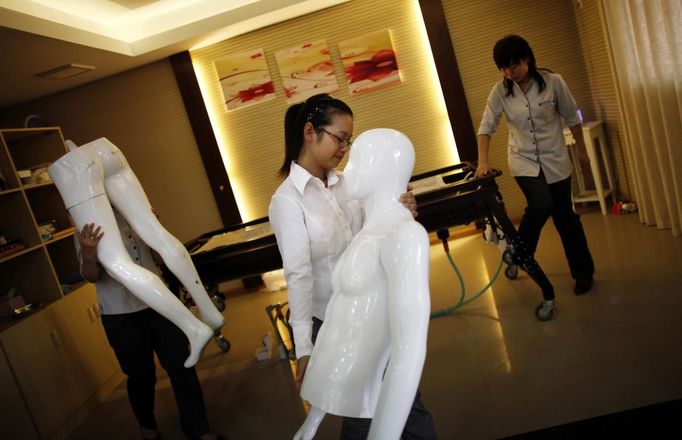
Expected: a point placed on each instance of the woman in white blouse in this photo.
(314, 221)
(534, 101)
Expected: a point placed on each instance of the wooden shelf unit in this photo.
(56, 362)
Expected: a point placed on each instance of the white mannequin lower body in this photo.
(144, 284)
(135, 208)
(126, 194)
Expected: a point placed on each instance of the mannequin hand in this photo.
(88, 238)
(483, 169)
(408, 201)
(583, 159)
(301, 365)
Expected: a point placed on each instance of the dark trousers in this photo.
(135, 337)
(419, 424)
(545, 200)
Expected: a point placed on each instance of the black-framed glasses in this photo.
(341, 142)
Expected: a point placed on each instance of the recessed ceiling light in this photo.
(65, 71)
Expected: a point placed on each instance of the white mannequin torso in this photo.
(380, 305)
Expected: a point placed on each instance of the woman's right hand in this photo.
(88, 238)
(301, 365)
(482, 169)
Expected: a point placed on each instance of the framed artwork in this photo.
(369, 62)
(244, 79)
(306, 70)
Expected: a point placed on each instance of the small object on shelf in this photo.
(10, 247)
(47, 229)
(37, 174)
(40, 175)
(25, 176)
(10, 302)
(25, 310)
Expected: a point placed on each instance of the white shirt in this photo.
(535, 133)
(112, 296)
(313, 226)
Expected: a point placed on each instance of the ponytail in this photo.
(318, 110)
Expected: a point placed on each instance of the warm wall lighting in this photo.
(446, 127)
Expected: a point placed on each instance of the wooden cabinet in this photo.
(58, 358)
(14, 415)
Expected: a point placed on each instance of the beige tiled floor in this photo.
(492, 370)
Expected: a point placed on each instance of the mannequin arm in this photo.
(405, 257)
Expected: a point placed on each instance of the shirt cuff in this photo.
(303, 338)
(572, 121)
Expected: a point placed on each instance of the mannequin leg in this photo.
(126, 194)
(312, 422)
(142, 283)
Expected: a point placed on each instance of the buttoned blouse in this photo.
(536, 140)
(112, 296)
(313, 225)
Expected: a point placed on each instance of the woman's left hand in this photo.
(409, 202)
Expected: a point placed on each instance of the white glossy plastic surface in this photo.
(85, 184)
(376, 323)
(126, 194)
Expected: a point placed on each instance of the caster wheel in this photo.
(544, 312)
(512, 271)
(223, 344)
(218, 303)
(508, 257)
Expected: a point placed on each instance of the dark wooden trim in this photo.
(206, 141)
(450, 80)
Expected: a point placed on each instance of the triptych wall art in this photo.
(368, 61)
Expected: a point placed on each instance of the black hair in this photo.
(319, 111)
(512, 49)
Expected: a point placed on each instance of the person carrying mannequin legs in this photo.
(314, 221)
(135, 332)
(81, 179)
(139, 314)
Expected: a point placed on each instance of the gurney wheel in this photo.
(508, 257)
(223, 343)
(512, 271)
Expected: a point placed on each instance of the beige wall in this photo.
(141, 111)
(550, 28)
(252, 138)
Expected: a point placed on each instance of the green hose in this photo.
(462, 301)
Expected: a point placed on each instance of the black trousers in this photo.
(545, 200)
(135, 337)
(419, 424)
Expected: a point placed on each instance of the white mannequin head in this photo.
(381, 160)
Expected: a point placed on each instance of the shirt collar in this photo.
(300, 177)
